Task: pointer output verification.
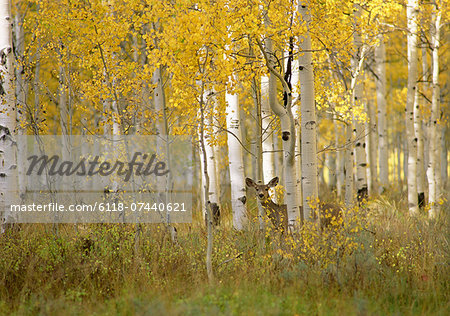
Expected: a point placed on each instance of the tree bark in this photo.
(380, 70)
(297, 118)
(212, 196)
(434, 175)
(8, 149)
(418, 131)
(209, 246)
(235, 159)
(348, 165)
(411, 11)
(21, 98)
(444, 157)
(308, 120)
(268, 155)
(357, 99)
(340, 178)
(371, 149)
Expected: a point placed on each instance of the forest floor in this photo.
(380, 262)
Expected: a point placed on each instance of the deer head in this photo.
(262, 190)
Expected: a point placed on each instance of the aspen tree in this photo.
(380, 71)
(21, 96)
(423, 142)
(268, 148)
(433, 172)
(8, 149)
(357, 98)
(308, 122)
(235, 159)
(411, 12)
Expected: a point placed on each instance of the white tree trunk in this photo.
(411, 11)
(297, 119)
(206, 182)
(340, 178)
(371, 149)
(308, 121)
(424, 103)
(164, 184)
(348, 165)
(209, 150)
(433, 172)
(418, 131)
(357, 99)
(64, 115)
(380, 70)
(218, 154)
(444, 157)
(236, 162)
(202, 178)
(267, 136)
(8, 158)
(256, 94)
(159, 103)
(21, 98)
(330, 162)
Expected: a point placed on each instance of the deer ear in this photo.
(249, 182)
(273, 183)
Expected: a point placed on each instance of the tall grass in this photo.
(379, 261)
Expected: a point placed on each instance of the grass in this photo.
(390, 265)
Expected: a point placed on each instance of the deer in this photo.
(276, 213)
(328, 213)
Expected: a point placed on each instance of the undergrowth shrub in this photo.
(376, 253)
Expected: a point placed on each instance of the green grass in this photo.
(399, 266)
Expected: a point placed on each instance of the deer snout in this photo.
(261, 195)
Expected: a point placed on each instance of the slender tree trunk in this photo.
(8, 149)
(164, 184)
(399, 149)
(64, 115)
(259, 142)
(405, 159)
(206, 183)
(236, 162)
(340, 178)
(424, 102)
(297, 118)
(217, 151)
(444, 157)
(357, 90)
(412, 10)
(268, 148)
(330, 163)
(160, 123)
(371, 149)
(208, 147)
(138, 94)
(21, 98)
(308, 121)
(348, 166)
(418, 131)
(434, 175)
(202, 179)
(380, 70)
